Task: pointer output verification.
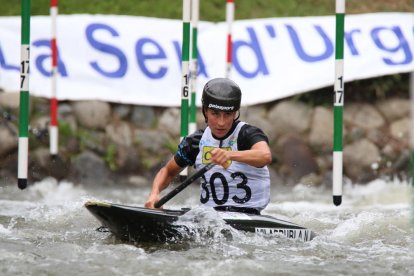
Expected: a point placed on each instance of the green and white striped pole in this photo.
(339, 92)
(194, 66)
(185, 75)
(23, 152)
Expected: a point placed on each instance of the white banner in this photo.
(137, 60)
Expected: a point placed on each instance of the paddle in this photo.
(183, 185)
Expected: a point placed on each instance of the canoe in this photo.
(138, 224)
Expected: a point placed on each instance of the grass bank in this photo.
(210, 10)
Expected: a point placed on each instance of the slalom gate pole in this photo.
(412, 145)
(53, 128)
(185, 56)
(339, 93)
(412, 126)
(23, 144)
(229, 20)
(192, 127)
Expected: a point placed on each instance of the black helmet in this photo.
(221, 94)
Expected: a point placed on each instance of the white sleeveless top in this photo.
(239, 185)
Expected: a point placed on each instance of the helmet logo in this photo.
(227, 108)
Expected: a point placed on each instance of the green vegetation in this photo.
(210, 10)
(65, 131)
(171, 145)
(110, 156)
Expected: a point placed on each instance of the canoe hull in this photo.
(137, 224)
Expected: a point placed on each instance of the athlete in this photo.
(240, 181)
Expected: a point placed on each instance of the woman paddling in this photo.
(241, 182)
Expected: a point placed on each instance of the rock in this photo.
(49, 166)
(290, 117)
(402, 162)
(127, 159)
(311, 179)
(257, 110)
(92, 114)
(133, 140)
(66, 117)
(41, 156)
(39, 127)
(95, 141)
(8, 169)
(121, 111)
(296, 157)
(120, 133)
(359, 159)
(10, 100)
(143, 116)
(321, 131)
(41, 122)
(389, 151)
(154, 141)
(64, 110)
(394, 108)
(256, 116)
(8, 137)
(200, 120)
(324, 161)
(41, 105)
(379, 136)
(72, 144)
(170, 121)
(363, 116)
(90, 169)
(401, 129)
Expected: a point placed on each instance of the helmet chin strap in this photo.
(238, 115)
(204, 114)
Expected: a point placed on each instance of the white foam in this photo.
(355, 224)
(381, 193)
(51, 191)
(4, 231)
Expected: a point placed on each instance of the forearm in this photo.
(254, 157)
(161, 181)
(258, 156)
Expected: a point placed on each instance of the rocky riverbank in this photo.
(104, 143)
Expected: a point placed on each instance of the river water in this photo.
(45, 230)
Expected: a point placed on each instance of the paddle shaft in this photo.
(183, 185)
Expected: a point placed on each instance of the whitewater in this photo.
(46, 230)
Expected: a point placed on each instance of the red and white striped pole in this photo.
(229, 20)
(53, 128)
